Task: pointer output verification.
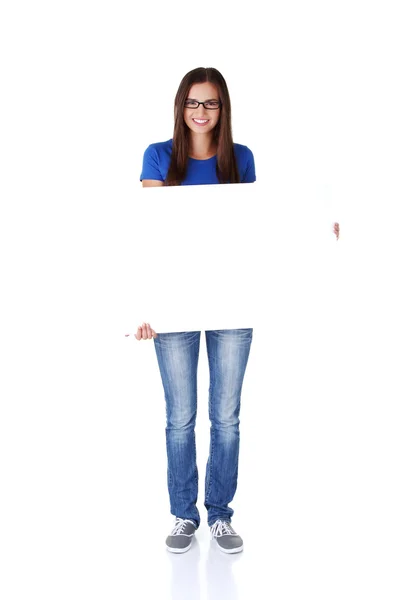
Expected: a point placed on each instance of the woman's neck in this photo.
(202, 146)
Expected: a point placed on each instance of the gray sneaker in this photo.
(227, 539)
(181, 537)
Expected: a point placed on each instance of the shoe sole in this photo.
(231, 551)
(178, 550)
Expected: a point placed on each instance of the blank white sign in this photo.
(218, 256)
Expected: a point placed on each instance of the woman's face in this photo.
(202, 120)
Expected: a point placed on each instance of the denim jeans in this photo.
(178, 354)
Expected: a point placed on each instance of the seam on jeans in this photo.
(211, 410)
(211, 464)
(196, 473)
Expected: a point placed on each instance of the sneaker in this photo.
(181, 537)
(227, 539)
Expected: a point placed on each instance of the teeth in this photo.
(200, 120)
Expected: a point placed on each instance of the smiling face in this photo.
(201, 120)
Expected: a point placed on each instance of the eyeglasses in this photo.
(208, 104)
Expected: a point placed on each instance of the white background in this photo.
(84, 506)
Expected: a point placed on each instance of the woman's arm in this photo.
(151, 175)
(151, 183)
(250, 174)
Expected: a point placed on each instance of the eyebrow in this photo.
(208, 99)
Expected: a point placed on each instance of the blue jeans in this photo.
(178, 354)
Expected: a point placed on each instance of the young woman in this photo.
(201, 150)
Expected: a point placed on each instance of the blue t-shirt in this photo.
(157, 158)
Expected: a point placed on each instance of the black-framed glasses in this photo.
(208, 104)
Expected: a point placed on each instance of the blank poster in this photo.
(222, 256)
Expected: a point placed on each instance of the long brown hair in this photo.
(227, 170)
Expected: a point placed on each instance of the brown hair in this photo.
(227, 170)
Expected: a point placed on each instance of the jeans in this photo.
(178, 354)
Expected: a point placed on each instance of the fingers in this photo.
(145, 332)
(336, 230)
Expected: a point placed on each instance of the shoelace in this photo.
(221, 528)
(180, 525)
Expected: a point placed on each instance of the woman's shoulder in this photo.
(243, 153)
(241, 149)
(245, 162)
(156, 159)
(160, 146)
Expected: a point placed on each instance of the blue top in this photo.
(157, 157)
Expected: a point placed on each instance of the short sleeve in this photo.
(250, 172)
(151, 165)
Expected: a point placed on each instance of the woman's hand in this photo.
(336, 230)
(145, 332)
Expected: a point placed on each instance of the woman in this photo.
(201, 150)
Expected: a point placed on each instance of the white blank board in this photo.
(217, 256)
